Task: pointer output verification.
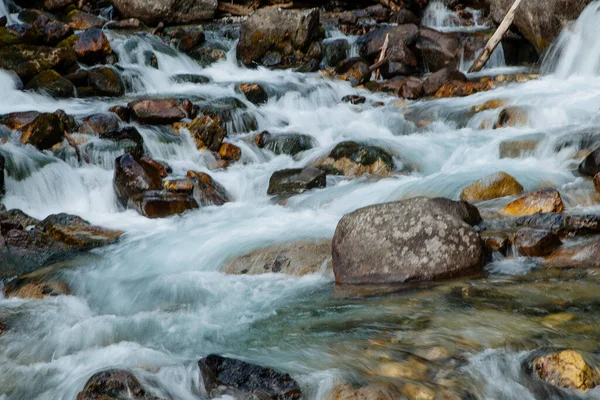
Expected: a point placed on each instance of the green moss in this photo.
(68, 43)
(362, 154)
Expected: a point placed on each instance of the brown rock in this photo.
(114, 384)
(354, 70)
(435, 81)
(597, 182)
(493, 186)
(77, 232)
(512, 116)
(160, 204)
(134, 176)
(370, 392)
(167, 11)
(17, 120)
(92, 46)
(122, 112)
(207, 132)
(440, 50)
(179, 186)
(567, 369)
(577, 256)
(461, 89)
(157, 111)
(407, 87)
(536, 243)
(254, 93)
(488, 105)
(207, 191)
(230, 152)
(100, 123)
(540, 201)
(33, 289)
(300, 258)
(80, 20)
(44, 131)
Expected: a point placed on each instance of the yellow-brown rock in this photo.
(207, 132)
(230, 152)
(488, 105)
(179, 185)
(418, 392)
(36, 289)
(567, 369)
(370, 392)
(461, 89)
(493, 186)
(540, 201)
(411, 369)
(514, 116)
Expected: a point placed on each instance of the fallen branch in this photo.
(381, 58)
(77, 151)
(378, 65)
(495, 39)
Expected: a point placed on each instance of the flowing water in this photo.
(156, 302)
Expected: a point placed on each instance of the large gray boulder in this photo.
(541, 21)
(419, 239)
(277, 37)
(167, 11)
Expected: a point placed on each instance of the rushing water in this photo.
(156, 301)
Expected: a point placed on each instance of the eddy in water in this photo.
(215, 200)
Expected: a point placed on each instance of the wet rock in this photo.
(356, 159)
(300, 258)
(190, 78)
(590, 166)
(567, 369)
(128, 133)
(92, 46)
(19, 34)
(262, 382)
(122, 112)
(536, 243)
(404, 16)
(114, 384)
(44, 131)
(370, 392)
(496, 241)
(597, 183)
(208, 54)
(493, 186)
(335, 51)
(17, 120)
(401, 35)
(98, 124)
(2, 184)
(207, 132)
(51, 83)
(439, 50)
(80, 20)
(54, 5)
(48, 27)
(540, 22)
(28, 61)
(435, 81)
(285, 143)
(354, 99)
(106, 82)
(157, 111)
(512, 116)
(78, 78)
(230, 152)
(179, 186)
(401, 60)
(516, 148)
(540, 201)
(160, 203)
(576, 256)
(280, 31)
(420, 239)
(407, 87)
(462, 89)
(167, 11)
(186, 39)
(129, 23)
(563, 225)
(35, 289)
(133, 176)
(75, 231)
(354, 70)
(254, 93)
(207, 191)
(296, 181)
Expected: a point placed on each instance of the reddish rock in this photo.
(134, 176)
(230, 152)
(536, 243)
(160, 204)
(157, 111)
(92, 46)
(435, 81)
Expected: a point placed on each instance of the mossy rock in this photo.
(28, 61)
(106, 82)
(362, 154)
(50, 82)
(44, 132)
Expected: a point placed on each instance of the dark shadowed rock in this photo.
(403, 17)
(133, 176)
(265, 383)
(106, 82)
(51, 83)
(296, 180)
(50, 30)
(401, 61)
(354, 99)
(207, 132)
(300, 258)
(354, 70)
(563, 225)
(114, 384)
(28, 61)
(157, 111)
(190, 78)
(536, 243)
(98, 124)
(2, 184)
(207, 191)
(419, 239)
(435, 81)
(285, 143)
(160, 203)
(277, 31)
(371, 43)
(357, 159)
(440, 50)
(92, 46)
(128, 133)
(254, 93)
(186, 39)
(590, 166)
(409, 87)
(44, 131)
(335, 51)
(168, 11)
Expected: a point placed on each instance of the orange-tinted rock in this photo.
(160, 204)
(32, 289)
(207, 191)
(254, 93)
(133, 176)
(122, 112)
(92, 46)
(81, 20)
(179, 185)
(567, 369)
(207, 132)
(77, 232)
(578, 256)
(406, 87)
(461, 89)
(230, 152)
(488, 105)
(17, 120)
(535, 242)
(157, 111)
(493, 186)
(540, 201)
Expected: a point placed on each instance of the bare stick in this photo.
(495, 39)
(77, 151)
(381, 58)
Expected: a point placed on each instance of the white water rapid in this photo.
(156, 302)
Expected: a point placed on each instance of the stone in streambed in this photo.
(519, 147)
(354, 70)
(335, 51)
(540, 201)
(114, 384)
(168, 11)
(190, 78)
(133, 176)
(435, 81)
(160, 203)
(420, 239)
(285, 143)
(296, 181)
(357, 159)
(535, 242)
(80, 20)
(493, 186)
(2, 184)
(585, 255)
(440, 50)
(35, 289)
(567, 369)
(98, 124)
(92, 46)
(370, 392)
(300, 258)
(563, 225)
(264, 383)
(50, 30)
(106, 82)
(128, 133)
(230, 152)
(75, 231)
(44, 131)
(254, 93)
(406, 87)
(513, 116)
(207, 132)
(50, 82)
(157, 111)
(17, 120)
(27, 61)
(207, 191)
(461, 89)
(590, 166)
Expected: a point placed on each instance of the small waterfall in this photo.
(437, 15)
(577, 49)
(4, 12)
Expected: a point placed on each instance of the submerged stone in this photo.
(114, 384)
(540, 201)
(493, 186)
(296, 181)
(567, 369)
(160, 204)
